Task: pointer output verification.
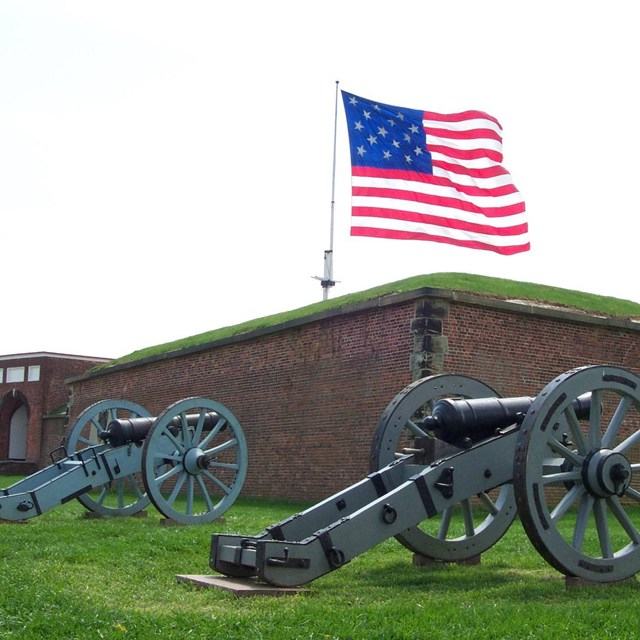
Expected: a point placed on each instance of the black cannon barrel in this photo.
(134, 430)
(456, 420)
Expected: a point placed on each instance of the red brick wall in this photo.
(53, 432)
(40, 397)
(309, 396)
(519, 354)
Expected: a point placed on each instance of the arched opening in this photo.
(14, 426)
(18, 434)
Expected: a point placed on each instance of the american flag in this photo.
(420, 175)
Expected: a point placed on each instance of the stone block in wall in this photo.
(432, 308)
(417, 363)
(430, 345)
(439, 344)
(436, 362)
(426, 326)
(426, 364)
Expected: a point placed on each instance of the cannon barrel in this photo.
(464, 421)
(135, 430)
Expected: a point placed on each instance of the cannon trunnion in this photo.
(452, 464)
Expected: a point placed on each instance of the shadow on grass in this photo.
(493, 580)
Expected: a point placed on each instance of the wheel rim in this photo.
(124, 496)
(576, 481)
(194, 471)
(473, 525)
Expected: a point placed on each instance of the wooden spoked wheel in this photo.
(475, 524)
(124, 496)
(576, 480)
(194, 461)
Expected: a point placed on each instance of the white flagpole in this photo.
(327, 281)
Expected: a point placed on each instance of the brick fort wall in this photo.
(309, 393)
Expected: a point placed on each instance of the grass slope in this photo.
(482, 285)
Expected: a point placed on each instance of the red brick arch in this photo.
(9, 403)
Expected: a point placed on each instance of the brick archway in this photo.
(9, 404)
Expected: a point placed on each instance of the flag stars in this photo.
(386, 138)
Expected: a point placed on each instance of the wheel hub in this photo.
(195, 461)
(606, 473)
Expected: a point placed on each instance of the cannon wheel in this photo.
(485, 518)
(576, 482)
(193, 474)
(124, 496)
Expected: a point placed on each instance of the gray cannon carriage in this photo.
(452, 464)
(190, 462)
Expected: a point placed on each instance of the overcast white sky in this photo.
(165, 167)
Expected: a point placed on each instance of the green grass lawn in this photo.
(67, 576)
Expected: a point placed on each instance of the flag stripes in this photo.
(429, 176)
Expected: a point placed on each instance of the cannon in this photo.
(452, 465)
(190, 461)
